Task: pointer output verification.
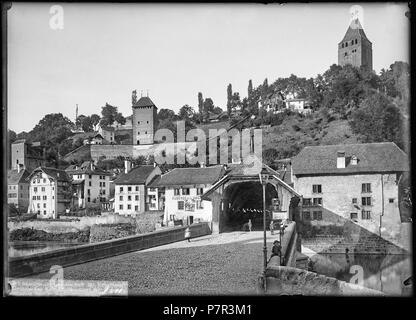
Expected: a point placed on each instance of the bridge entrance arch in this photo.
(237, 197)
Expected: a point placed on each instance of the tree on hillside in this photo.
(208, 107)
(166, 114)
(110, 114)
(229, 98)
(250, 88)
(200, 105)
(51, 131)
(186, 112)
(95, 120)
(378, 120)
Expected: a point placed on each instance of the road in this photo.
(228, 263)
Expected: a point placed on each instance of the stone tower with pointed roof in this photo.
(144, 121)
(355, 48)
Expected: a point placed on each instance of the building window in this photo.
(128, 188)
(342, 46)
(45, 197)
(356, 41)
(89, 191)
(345, 54)
(128, 198)
(346, 44)
(103, 184)
(176, 192)
(199, 204)
(391, 200)
(44, 205)
(354, 215)
(138, 133)
(172, 217)
(366, 188)
(34, 198)
(121, 207)
(366, 215)
(306, 215)
(88, 199)
(137, 198)
(366, 201)
(137, 188)
(316, 188)
(185, 191)
(138, 122)
(317, 201)
(354, 200)
(121, 189)
(38, 197)
(317, 215)
(199, 191)
(35, 189)
(38, 205)
(90, 176)
(129, 207)
(306, 201)
(89, 183)
(121, 198)
(181, 205)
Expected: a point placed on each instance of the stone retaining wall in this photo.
(281, 280)
(42, 262)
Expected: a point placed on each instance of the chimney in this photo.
(202, 165)
(154, 164)
(127, 166)
(340, 159)
(92, 165)
(354, 160)
(225, 166)
(18, 168)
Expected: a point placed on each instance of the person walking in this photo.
(249, 225)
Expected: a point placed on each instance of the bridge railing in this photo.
(42, 262)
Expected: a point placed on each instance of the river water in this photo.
(385, 273)
(25, 248)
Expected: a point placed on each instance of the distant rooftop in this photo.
(135, 176)
(144, 102)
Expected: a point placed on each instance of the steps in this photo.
(363, 245)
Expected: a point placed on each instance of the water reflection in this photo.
(25, 248)
(385, 273)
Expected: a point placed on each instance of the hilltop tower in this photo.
(144, 120)
(355, 48)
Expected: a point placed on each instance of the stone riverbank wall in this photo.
(282, 280)
(42, 262)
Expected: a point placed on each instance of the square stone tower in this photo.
(144, 121)
(355, 48)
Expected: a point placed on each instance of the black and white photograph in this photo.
(207, 149)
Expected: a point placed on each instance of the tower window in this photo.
(352, 42)
(356, 41)
(346, 44)
(138, 122)
(342, 46)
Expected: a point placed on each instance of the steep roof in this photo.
(372, 158)
(144, 102)
(57, 174)
(85, 168)
(355, 30)
(14, 177)
(190, 176)
(135, 176)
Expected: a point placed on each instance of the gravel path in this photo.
(228, 263)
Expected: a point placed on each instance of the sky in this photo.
(104, 51)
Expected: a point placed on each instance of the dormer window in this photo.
(354, 160)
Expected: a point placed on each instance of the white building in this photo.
(90, 184)
(356, 183)
(132, 196)
(49, 192)
(183, 190)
